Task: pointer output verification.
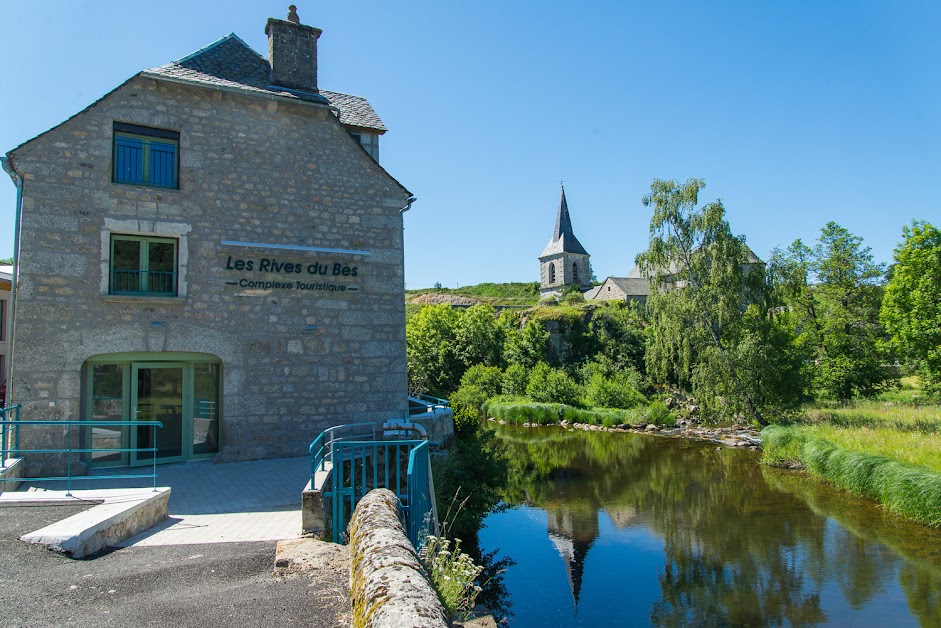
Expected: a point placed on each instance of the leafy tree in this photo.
(701, 287)
(911, 308)
(515, 380)
(479, 336)
(618, 330)
(487, 379)
(441, 343)
(434, 364)
(833, 293)
(526, 345)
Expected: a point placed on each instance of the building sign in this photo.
(272, 273)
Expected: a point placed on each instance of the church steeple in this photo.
(563, 239)
(564, 262)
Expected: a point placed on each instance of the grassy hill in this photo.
(492, 293)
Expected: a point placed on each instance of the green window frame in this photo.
(143, 266)
(145, 156)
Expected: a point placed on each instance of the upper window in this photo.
(143, 266)
(145, 156)
(574, 272)
(551, 273)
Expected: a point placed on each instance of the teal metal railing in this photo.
(358, 464)
(321, 450)
(423, 404)
(434, 401)
(421, 517)
(10, 436)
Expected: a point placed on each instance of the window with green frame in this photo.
(143, 266)
(146, 156)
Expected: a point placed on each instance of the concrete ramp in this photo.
(118, 515)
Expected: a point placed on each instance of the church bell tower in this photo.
(564, 262)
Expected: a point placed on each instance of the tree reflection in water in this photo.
(742, 545)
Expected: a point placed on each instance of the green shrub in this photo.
(659, 414)
(467, 403)
(573, 296)
(488, 379)
(615, 391)
(515, 380)
(549, 385)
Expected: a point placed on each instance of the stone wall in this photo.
(294, 362)
(388, 585)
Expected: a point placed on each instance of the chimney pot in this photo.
(292, 15)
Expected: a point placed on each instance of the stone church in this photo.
(564, 265)
(564, 262)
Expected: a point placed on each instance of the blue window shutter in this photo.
(128, 160)
(163, 164)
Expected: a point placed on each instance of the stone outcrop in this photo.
(389, 588)
(436, 298)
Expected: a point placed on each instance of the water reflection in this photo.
(658, 531)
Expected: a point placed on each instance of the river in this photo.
(616, 529)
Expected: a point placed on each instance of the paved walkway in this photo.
(222, 503)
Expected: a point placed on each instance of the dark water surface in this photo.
(611, 529)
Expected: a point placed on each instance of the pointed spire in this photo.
(563, 223)
(563, 238)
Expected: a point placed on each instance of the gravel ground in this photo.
(218, 584)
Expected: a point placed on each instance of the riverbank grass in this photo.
(887, 452)
(518, 412)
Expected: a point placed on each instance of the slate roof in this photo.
(230, 62)
(592, 294)
(632, 286)
(563, 239)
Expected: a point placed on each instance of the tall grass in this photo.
(906, 489)
(519, 412)
(925, 419)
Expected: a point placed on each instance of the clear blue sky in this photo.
(795, 113)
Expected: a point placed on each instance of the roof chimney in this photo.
(292, 52)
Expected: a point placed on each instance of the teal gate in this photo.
(357, 465)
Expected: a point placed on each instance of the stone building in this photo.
(564, 262)
(636, 287)
(625, 289)
(212, 244)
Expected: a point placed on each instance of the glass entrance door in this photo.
(158, 393)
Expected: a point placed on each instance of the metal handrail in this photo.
(10, 431)
(321, 450)
(421, 511)
(434, 401)
(362, 443)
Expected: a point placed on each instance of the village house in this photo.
(213, 244)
